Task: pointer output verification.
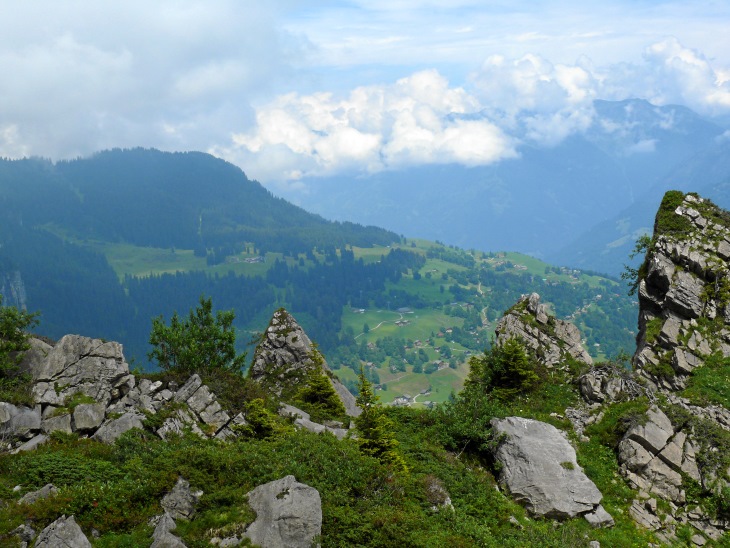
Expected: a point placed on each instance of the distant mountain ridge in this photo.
(543, 201)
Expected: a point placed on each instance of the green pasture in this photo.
(421, 324)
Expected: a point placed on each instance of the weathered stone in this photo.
(673, 452)
(58, 423)
(189, 388)
(63, 533)
(114, 428)
(23, 422)
(31, 444)
(285, 357)
(288, 514)
(44, 492)
(643, 517)
(553, 340)
(633, 455)
(664, 481)
(653, 435)
(88, 416)
(162, 535)
(82, 365)
(599, 518)
(538, 467)
(180, 502)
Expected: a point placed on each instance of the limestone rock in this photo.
(553, 340)
(114, 428)
(285, 356)
(82, 365)
(62, 533)
(162, 536)
(46, 491)
(539, 468)
(302, 420)
(288, 514)
(88, 416)
(180, 502)
(19, 422)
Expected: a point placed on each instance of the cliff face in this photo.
(12, 289)
(684, 291)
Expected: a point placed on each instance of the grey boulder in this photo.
(540, 470)
(62, 533)
(288, 514)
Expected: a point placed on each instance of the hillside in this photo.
(546, 201)
(104, 244)
(543, 446)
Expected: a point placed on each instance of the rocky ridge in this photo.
(84, 386)
(553, 340)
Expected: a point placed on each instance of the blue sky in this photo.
(289, 89)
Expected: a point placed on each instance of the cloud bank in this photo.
(422, 119)
(289, 89)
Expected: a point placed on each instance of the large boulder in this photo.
(539, 468)
(63, 533)
(78, 364)
(285, 357)
(288, 514)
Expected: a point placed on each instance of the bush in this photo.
(200, 342)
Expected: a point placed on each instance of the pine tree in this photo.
(375, 429)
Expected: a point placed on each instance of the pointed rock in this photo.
(285, 356)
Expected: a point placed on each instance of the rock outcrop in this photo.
(552, 340)
(288, 514)
(285, 356)
(684, 291)
(539, 468)
(62, 533)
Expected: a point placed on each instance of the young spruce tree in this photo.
(375, 429)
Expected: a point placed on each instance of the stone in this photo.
(553, 340)
(82, 365)
(44, 492)
(599, 518)
(58, 423)
(180, 502)
(62, 533)
(285, 356)
(539, 468)
(633, 455)
(162, 536)
(653, 435)
(288, 514)
(643, 517)
(20, 422)
(114, 428)
(31, 444)
(189, 388)
(88, 416)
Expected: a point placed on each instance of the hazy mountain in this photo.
(606, 246)
(540, 202)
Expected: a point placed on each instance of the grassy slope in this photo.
(133, 260)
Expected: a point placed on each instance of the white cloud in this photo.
(376, 127)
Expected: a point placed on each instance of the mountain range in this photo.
(580, 203)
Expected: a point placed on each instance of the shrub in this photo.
(200, 342)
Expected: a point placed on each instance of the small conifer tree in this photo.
(318, 392)
(375, 429)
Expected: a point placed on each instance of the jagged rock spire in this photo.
(286, 355)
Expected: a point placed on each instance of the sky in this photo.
(291, 89)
